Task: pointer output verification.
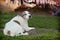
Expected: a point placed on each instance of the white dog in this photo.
(18, 25)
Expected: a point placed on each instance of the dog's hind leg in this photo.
(8, 33)
(5, 32)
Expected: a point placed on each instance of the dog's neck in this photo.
(22, 18)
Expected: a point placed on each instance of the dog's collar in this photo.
(16, 22)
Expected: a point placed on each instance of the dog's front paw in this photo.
(31, 28)
(25, 33)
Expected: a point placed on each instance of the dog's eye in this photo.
(25, 14)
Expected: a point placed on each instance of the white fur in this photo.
(16, 29)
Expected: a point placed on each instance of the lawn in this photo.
(46, 27)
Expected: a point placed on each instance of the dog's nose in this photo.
(30, 16)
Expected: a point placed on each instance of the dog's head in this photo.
(23, 13)
(26, 15)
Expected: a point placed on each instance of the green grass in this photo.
(44, 21)
(47, 36)
(49, 22)
(5, 17)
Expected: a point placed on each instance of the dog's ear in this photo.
(19, 13)
(23, 13)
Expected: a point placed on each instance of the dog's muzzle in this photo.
(30, 16)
